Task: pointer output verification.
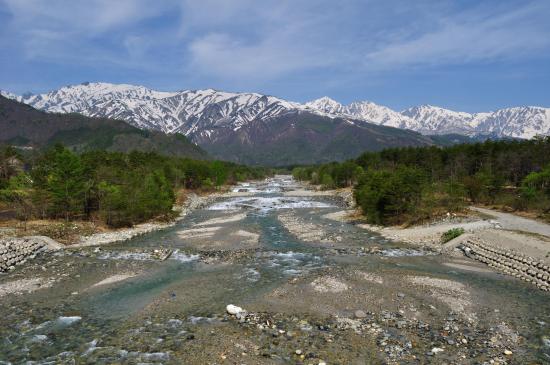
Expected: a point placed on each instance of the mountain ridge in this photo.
(198, 113)
(24, 126)
(241, 127)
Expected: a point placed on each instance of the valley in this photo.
(269, 273)
(274, 182)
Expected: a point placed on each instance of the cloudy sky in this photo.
(466, 55)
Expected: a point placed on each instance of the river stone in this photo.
(360, 314)
(401, 324)
(233, 309)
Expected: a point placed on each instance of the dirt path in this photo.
(429, 235)
(515, 223)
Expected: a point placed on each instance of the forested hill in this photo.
(22, 125)
(407, 185)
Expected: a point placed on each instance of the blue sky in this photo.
(463, 55)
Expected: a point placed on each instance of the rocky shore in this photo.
(16, 251)
(281, 276)
(395, 338)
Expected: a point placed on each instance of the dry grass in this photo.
(59, 230)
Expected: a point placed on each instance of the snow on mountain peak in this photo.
(325, 105)
(198, 112)
(361, 110)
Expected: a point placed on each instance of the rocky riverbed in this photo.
(270, 274)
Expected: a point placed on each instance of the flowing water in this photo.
(283, 255)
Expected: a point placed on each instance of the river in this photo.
(316, 288)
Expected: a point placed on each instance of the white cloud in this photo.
(67, 31)
(282, 39)
(478, 35)
(267, 58)
(249, 42)
(93, 16)
(258, 43)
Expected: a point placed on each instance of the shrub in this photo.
(390, 196)
(451, 234)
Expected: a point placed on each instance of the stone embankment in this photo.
(511, 263)
(15, 251)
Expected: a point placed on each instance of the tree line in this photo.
(117, 188)
(407, 185)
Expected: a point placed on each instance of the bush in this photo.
(390, 196)
(451, 234)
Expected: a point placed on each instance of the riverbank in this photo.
(506, 243)
(346, 296)
(192, 202)
(17, 250)
(82, 234)
(498, 229)
(506, 230)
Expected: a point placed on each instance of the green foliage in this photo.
(451, 234)
(330, 175)
(386, 196)
(492, 172)
(9, 164)
(17, 194)
(535, 190)
(60, 175)
(326, 181)
(538, 182)
(113, 204)
(120, 189)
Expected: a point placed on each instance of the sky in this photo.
(463, 55)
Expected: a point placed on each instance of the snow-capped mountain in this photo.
(200, 114)
(188, 112)
(363, 110)
(519, 122)
(242, 127)
(432, 119)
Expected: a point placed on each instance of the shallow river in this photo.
(319, 289)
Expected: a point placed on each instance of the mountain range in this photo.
(24, 126)
(519, 122)
(243, 127)
(198, 112)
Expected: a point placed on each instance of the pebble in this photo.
(508, 352)
(360, 314)
(233, 309)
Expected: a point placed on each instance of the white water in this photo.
(266, 204)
